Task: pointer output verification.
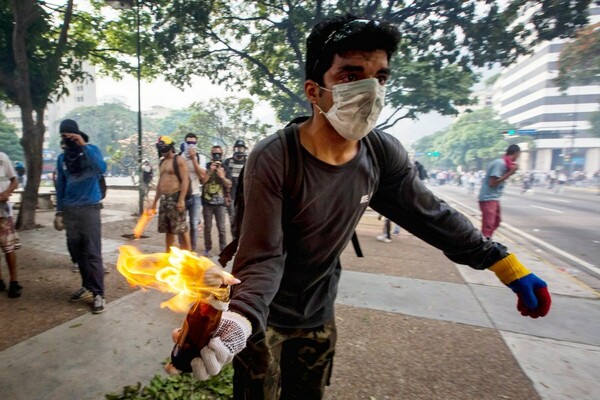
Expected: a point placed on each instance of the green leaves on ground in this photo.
(183, 386)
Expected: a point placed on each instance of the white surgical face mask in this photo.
(356, 107)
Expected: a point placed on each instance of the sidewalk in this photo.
(412, 325)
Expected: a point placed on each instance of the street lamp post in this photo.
(128, 4)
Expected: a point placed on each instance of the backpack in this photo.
(102, 183)
(176, 169)
(292, 152)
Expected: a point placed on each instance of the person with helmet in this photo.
(235, 165)
(171, 189)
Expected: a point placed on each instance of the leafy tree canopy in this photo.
(579, 61)
(259, 46)
(9, 141)
(170, 124)
(472, 141)
(105, 124)
(222, 122)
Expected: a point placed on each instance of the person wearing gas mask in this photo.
(235, 165)
(171, 189)
(193, 203)
(78, 197)
(216, 186)
(280, 329)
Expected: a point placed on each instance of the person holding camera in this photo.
(193, 204)
(216, 185)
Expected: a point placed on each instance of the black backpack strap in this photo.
(176, 167)
(292, 179)
(375, 149)
(292, 154)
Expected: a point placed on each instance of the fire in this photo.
(190, 277)
(144, 220)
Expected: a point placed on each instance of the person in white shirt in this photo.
(9, 239)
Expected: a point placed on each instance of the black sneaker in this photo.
(81, 294)
(2, 285)
(14, 289)
(98, 305)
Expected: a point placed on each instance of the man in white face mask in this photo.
(280, 324)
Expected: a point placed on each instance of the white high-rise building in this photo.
(526, 95)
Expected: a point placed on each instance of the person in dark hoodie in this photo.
(78, 197)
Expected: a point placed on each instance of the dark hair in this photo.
(512, 149)
(216, 146)
(339, 34)
(190, 135)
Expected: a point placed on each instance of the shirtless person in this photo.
(172, 190)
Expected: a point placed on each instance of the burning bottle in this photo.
(194, 280)
(197, 330)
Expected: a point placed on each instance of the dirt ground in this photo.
(48, 281)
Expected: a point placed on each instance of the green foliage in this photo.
(260, 46)
(9, 141)
(472, 141)
(170, 124)
(105, 124)
(579, 61)
(222, 122)
(182, 386)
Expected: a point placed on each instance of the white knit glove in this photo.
(230, 338)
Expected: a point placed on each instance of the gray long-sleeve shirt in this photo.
(288, 253)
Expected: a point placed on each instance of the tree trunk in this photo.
(32, 142)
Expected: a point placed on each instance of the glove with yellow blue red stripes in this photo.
(534, 298)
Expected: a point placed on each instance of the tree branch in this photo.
(270, 76)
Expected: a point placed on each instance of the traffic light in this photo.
(509, 132)
(433, 153)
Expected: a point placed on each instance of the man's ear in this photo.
(311, 91)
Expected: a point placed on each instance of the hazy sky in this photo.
(164, 94)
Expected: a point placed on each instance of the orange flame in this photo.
(143, 221)
(180, 272)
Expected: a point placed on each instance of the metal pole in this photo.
(139, 75)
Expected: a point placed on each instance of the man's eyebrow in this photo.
(351, 68)
(358, 68)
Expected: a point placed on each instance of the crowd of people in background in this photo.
(527, 180)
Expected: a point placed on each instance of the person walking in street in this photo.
(492, 186)
(216, 186)
(78, 197)
(235, 164)
(9, 239)
(172, 187)
(280, 329)
(386, 236)
(193, 203)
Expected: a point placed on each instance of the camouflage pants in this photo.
(286, 364)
